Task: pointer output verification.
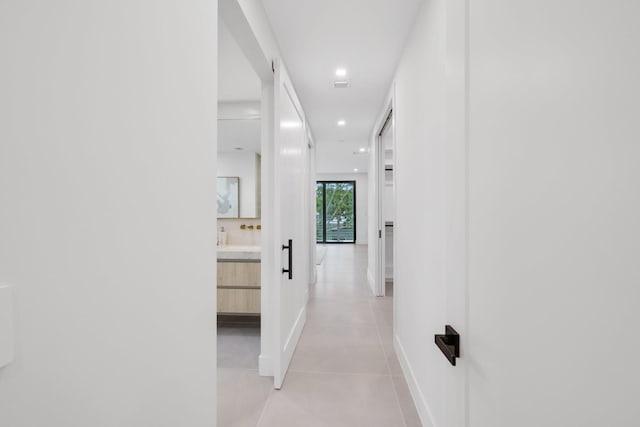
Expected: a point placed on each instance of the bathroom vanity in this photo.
(239, 280)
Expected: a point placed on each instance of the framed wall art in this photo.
(228, 197)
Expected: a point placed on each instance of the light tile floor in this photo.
(344, 371)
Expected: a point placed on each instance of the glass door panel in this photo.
(319, 212)
(336, 212)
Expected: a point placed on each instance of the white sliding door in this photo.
(291, 182)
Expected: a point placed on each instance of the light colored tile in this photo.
(406, 402)
(392, 360)
(332, 335)
(343, 277)
(384, 322)
(384, 304)
(346, 358)
(329, 312)
(344, 371)
(242, 395)
(325, 400)
(238, 347)
(342, 292)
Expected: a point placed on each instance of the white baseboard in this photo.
(265, 366)
(418, 398)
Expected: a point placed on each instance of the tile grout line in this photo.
(386, 361)
(264, 407)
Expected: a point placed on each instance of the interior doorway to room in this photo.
(255, 92)
(386, 205)
(336, 212)
(239, 193)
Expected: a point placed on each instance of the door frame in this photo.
(387, 119)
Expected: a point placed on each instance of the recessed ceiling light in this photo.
(341, 84)
(341, 72)
(355, 170)
(341, 123)
(362, 150)
(239, 148)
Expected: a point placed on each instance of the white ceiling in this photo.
(366, 38)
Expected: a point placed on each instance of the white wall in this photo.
(362, 200)
(239, 236)
(549, 162)
(420, 226)
(237, 80)
(555, 203)
(246, 166)
(107, 184)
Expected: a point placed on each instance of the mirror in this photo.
(239, 128)
(239, 168)
(228, 194)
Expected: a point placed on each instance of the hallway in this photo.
(344, 371)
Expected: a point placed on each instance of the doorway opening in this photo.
(240, 192)
(336, 212)
(266, 258)
(386, 205)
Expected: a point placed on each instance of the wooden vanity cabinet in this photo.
(239, 287)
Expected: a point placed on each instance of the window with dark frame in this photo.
(336, 212)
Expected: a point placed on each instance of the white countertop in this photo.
(239, 252)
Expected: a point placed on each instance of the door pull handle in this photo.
(290, 269)
(449, 344)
